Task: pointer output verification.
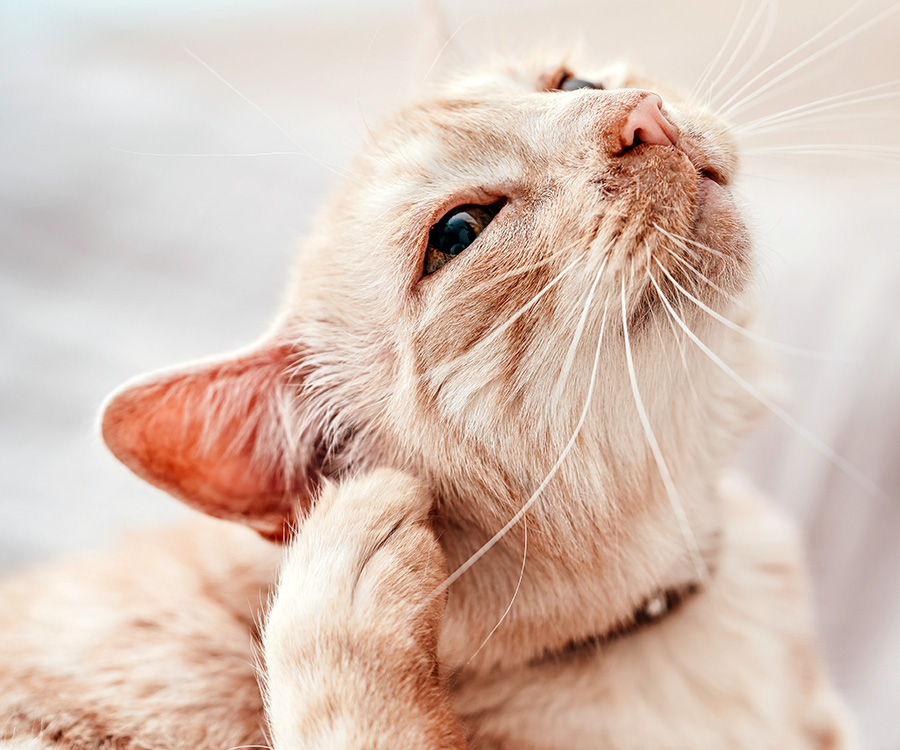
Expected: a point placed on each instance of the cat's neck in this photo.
(546, 592)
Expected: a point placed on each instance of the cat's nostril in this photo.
(647, 124)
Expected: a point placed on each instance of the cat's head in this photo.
(501, 281)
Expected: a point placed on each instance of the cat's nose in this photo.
(645, 123)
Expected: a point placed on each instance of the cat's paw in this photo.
(364, 568)
(350, 645)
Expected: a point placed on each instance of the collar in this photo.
(653, 609)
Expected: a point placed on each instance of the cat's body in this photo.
(165, 660)
(542, 376)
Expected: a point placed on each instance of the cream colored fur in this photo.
(438, 407)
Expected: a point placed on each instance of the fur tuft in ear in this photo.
(226, 437)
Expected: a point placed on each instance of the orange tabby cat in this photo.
(488, 369)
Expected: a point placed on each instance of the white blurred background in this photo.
(113, 263)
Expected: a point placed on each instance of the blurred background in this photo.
(138, 231)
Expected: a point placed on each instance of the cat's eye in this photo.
(458, 229)
(571, 83)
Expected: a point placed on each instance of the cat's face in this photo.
(478, 372)
(548, 330)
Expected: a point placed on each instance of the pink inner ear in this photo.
(219, 436)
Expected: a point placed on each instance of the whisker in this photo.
(830, 149)
(801, 81)
(699, 245)
(788, 348)
(576, 338)
(732, 107)
(515, 592)
(658, 329)
(778, 411)
(714, 63)
(671, 491)
(764, 39)
(278, 126)
(818, 121)
(258, 153)
(726, 294)
(826, 104)
(494, 333)
(679, 340)
(486, 547)
(520, 270)
(359, 77)
(679, 241)
(695, 256)
(678, 336)
(444, 47)
(766, 35)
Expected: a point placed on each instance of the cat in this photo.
(494, 433)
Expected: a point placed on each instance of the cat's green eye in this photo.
(458, 229)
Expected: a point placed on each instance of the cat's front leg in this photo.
(350, 642)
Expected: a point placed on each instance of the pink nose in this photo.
(646, 124)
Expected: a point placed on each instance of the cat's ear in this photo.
(228, 437)
(437, 48)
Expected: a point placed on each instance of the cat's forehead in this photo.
(542, 71)
(494, 110)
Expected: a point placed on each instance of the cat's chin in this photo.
(716, 222)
